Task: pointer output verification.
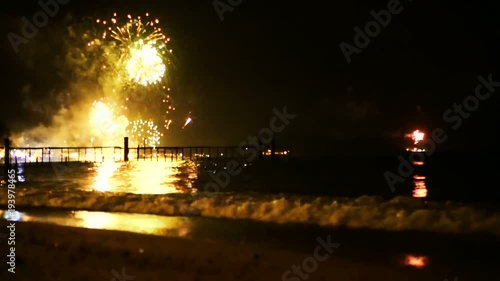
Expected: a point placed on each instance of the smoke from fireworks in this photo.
(120, 70)
(107, 125)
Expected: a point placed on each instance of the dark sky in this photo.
(267, 55)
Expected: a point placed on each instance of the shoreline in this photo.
(50, 252)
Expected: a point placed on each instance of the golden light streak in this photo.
(188, 121)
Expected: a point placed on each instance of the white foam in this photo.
(400, 213)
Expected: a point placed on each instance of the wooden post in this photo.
(125, 150)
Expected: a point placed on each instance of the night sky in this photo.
(265, 55)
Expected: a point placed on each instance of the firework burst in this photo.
(132, 62)
(144, 133)
(136, 48)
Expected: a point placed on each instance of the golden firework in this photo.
(137, 48)
(144, 133)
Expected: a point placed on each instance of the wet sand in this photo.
(49, 252)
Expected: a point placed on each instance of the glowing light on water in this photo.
(94, 220)
(136, 223)
(420, 189)
(416, 261)
(104, 173)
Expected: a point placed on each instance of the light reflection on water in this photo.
(419, 182)
(416, 261)
(138, 223)
(420, 189)
(135, 177)
(144, 177)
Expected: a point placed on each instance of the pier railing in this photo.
(40, 155)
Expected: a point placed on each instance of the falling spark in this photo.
(188, 121)
(167, 124)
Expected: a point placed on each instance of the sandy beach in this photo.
(49, 252)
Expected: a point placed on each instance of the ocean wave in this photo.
(372, 212)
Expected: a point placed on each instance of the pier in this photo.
(43, 155)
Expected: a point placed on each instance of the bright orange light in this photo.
(416, 261)
(417, 136)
